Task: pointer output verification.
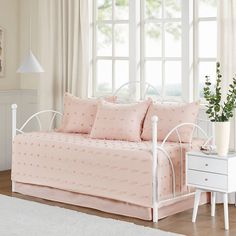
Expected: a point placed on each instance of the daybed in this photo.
(143, 179)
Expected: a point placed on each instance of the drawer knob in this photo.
(206, 179)
(206, 164)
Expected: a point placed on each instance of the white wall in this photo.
(28, 9)
(9, 20)
(14, 19)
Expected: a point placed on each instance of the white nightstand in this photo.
(211, 173)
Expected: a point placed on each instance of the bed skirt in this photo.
(166, 208)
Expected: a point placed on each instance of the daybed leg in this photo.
(154, 170)
(155, 214)
(14, 111)
(13, 186)
(235, 199)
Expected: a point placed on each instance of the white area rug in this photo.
(25, 218)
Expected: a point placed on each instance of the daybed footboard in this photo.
(156, 147)
(34, 116)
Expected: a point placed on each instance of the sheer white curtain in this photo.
(64, 32)
(227, 54)
(227, 40)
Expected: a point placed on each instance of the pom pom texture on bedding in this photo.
(119, 121)
(79, 114)
(169, 116)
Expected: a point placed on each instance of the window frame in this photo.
(112, 58)
(163, 59)
(189, 52)
(197, 58)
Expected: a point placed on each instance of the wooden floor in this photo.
(179, 223)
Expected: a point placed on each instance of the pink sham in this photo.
(169, 116)
(119, 121)
(79, 114)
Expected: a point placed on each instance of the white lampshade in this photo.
(30, 65)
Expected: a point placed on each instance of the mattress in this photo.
(110, 169)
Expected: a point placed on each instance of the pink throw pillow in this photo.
(119, 121)
(169, 116)
(79, 114)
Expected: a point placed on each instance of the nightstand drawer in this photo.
(207, 179)
(208, 164)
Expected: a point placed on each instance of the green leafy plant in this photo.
(218, 110)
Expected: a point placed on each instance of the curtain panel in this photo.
(64, 32)
(226, 41)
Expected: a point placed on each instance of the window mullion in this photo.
(196, 50)
(134, 44)
(142, 43)
(113, 21)
(166, 20)
(187, 74)
(113, 46)
(163, 50)
(132, 40)
(111, 58)
(206, 59)
(206, 18)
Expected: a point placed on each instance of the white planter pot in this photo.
(222, 133)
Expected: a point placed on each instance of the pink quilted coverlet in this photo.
(118, 170)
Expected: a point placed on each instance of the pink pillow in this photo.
(119, 121)
(169, 116)
(79, 114)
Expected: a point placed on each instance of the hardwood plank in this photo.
(178, 223)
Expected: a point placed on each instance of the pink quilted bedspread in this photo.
(116, 170)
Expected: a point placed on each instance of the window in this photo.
(169, 43)
(111, 45)
(206, 40)
(162, 45)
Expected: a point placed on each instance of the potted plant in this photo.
(220, 111)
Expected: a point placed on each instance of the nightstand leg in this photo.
(234, 199)
(196, 203)
(226, 214)
(213, 203)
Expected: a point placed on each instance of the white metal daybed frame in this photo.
(155, 146)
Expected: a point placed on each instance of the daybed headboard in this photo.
(36, 118)
(136, 90)
(128, 92)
